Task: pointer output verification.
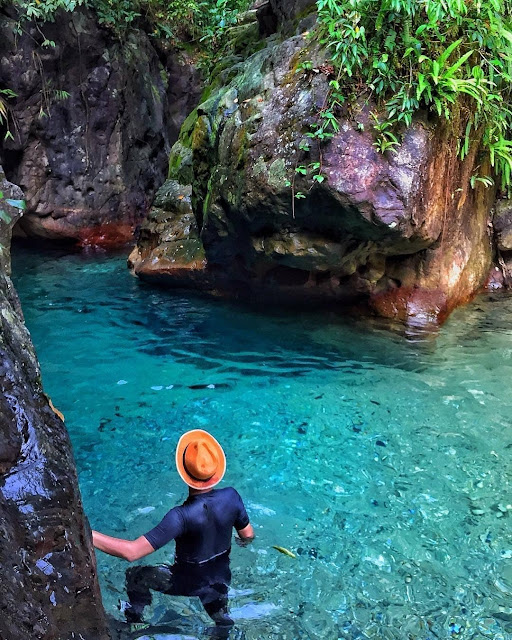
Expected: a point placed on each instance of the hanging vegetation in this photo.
(174, 19)
(427, 54)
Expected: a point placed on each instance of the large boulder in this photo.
(170, 242)
(90, 163)
(49, 588)
(403, 233)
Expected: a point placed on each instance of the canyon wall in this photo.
(49, 588)
(92, 123)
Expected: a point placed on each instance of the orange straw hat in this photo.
(200, 459)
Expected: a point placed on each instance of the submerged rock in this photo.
(90, 161)
(401, 233)
(49, 588)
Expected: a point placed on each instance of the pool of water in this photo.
(381, 461)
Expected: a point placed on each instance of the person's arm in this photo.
(244, 530)
(245, 536)
(130, 550)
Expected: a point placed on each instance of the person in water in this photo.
(202, 527)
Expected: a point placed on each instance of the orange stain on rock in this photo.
(107, 236)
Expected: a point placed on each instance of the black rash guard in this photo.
(202, 527)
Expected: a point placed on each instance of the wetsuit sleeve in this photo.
(169, 528)
(242, 519)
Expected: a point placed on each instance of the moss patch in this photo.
(277, 174)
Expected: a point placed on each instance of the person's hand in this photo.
(242, 542)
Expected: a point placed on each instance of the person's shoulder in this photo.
(178, 510)
(228, 492)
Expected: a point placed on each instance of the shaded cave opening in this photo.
(10, 160)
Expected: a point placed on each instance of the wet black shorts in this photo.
(210, 587)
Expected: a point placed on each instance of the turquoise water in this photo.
(382, 461)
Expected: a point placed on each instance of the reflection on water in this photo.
(382, 462)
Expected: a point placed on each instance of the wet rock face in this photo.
(403, 234)
(90, 163)
(275, 14)
(502, 224)
(289, 9)
(49, 588)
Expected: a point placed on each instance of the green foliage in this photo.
(307, 65)
(218, 17)
(173, 19)
(118, 14)
(313, 170)
(440, 55)
(5, 94)
(386, 139)
(327, 124)
(487, 181)
(17, 204)
(44, 10)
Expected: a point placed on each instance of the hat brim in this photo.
(183, 443)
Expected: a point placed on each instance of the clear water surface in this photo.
(381, 461)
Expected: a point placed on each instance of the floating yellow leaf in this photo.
(286, 552)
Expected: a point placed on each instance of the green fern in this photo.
(428, 54)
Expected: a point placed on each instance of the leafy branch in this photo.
(427, 54)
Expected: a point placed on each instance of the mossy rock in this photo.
(170, 192)
(244, 38)
(184, 252)
(248, 17)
